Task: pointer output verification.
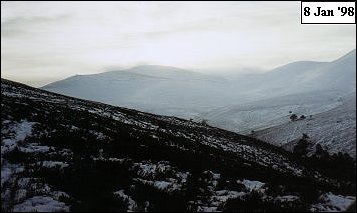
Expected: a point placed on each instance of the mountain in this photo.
(308, 76)
(60, 153)
(183, 93)
(159, 89)
(298, 77)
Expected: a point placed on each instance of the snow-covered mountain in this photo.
(60, 153)
(305, 76)
(158, 89)
(169, 90)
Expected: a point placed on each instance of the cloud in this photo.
(20, 26)
(66, 38)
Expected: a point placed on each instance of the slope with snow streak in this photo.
(305, 88)
(82, 155)
(334, 129)
(270, 112)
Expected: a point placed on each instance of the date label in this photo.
(328, 12)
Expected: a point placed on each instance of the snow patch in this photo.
(329, 202)
(252, 185)
(34, 148)
(41, 204)
(131, 204)
(223, 195)
(53, 164)
(21, 130)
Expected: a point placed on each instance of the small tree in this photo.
(302, 117)
(300, 148)
(305, 136)
(320, 152)
(293, 117)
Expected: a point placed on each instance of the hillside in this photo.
(303, 88)
(270, 112)
(65, 154)
(334, 129)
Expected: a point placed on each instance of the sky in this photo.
(42, 42)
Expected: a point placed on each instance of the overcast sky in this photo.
(47, 41)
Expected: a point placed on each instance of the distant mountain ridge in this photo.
(296, 77)
(158, 89)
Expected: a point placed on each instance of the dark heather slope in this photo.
(66, 154)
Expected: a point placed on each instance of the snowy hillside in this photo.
(65, 154)
(334, 129)
(304, 88)
(256, 115)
